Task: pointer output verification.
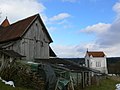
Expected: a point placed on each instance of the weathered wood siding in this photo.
(34, 44)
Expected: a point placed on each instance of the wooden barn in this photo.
(28, 37)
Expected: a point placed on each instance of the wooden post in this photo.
(71, 83)
(57, 84)
(89, 76)
(83, 82)
(2, 62)
(77, 79)
(86, 79)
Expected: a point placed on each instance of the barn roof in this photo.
(16, 30)
(96, 54)
(5, 23)
(1, 27)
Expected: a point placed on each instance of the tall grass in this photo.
(106, 84)
(7, 87)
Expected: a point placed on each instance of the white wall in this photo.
(100, 61)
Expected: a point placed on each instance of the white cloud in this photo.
(116, 7)
(63, 22)
(52, 28)
(60, 16)
(108, 35)
(107, 39)
(110, 51)
(97, 28)
(18, 9)
(66, 51)
(74, 51)
(60, 20)
(111, 37)
(78, 51)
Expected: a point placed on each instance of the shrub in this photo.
(22, 76)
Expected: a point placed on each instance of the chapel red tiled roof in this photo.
(96, 54)
(17, 30)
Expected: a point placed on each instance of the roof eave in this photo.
(17, 38)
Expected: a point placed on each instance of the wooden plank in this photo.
(83, 80)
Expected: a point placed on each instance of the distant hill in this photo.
(113, 63)
(113, 60)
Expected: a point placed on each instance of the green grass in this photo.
(107, 84)
(7, 87)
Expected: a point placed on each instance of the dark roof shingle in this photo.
(15, 30)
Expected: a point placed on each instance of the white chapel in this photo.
(96, 60)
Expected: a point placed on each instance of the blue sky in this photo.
(82, 13)
(74, 25)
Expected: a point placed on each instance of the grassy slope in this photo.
(108, 84)
(7, 87)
